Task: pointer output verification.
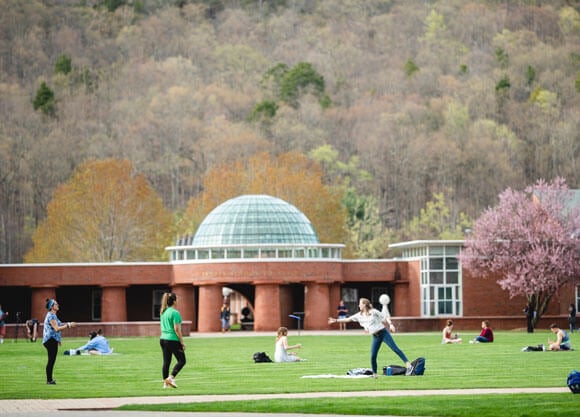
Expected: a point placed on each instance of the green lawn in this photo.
(223, 365)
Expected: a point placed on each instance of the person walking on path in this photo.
(51, 337)
(225, 315)
(171, 340)
(374, 322)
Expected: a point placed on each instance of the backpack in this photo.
(418, 366)
(261, 357)
(573, 382)
(395, 370)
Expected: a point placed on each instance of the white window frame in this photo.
(430, 295)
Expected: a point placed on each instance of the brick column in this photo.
(400, 306)
(113, 304)
(267, 307)
(210, 303)
(316, 306)
(185, 301)
(38, 306)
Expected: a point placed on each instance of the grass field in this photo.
(223, 365)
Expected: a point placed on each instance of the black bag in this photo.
(395, 370)
(261, 357)
(538, 348)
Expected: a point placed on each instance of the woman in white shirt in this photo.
(281, 354)
(374, 322)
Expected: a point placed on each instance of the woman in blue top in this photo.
(97, 344)
(51, 337)
(171, 339)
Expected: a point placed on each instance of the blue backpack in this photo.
(573, 382)
(418, 366)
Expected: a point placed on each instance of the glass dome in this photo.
(255, 219)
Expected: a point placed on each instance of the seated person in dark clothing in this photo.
(486, 335)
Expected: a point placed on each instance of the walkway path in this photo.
(30, 407)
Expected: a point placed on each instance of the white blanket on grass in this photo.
(336, 376)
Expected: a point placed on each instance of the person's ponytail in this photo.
(167, 300)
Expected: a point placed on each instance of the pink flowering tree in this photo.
(531, 240)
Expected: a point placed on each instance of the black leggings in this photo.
(51, 346)
(172, 348)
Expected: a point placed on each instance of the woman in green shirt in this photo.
(171, 339)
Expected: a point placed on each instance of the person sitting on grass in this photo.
(562, 341)
(486, 335)
(448, 336)
(281, 354)
(97, 344)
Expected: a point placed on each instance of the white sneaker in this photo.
(171, 382)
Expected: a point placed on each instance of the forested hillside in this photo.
(452, 98)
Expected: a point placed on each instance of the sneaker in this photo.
(165, 386)
(543, 348)
(53, 382)
(170, 381)
(409, 370)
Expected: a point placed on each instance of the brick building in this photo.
(268, 253)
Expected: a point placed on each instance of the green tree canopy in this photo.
(44, 100)
(288, 84)
(437, 222)
(63, 65)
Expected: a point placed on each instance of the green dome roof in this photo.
(255, 219)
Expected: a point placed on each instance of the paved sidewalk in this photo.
(88, 406)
